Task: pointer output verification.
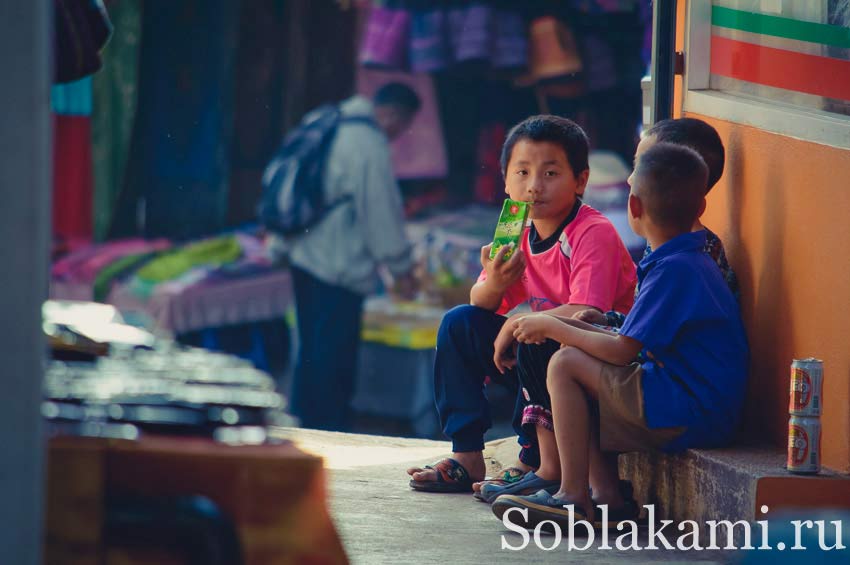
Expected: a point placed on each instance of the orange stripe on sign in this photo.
(779, 68)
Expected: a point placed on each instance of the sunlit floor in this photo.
(381, 520)
(353, 451)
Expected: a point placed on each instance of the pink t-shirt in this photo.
(588, 265)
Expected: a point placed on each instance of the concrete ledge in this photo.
(728, 484)
(714, 484)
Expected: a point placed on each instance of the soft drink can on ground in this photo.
(806, 387)
(804, 445)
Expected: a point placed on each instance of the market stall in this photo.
(151, 205)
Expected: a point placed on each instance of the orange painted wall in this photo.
(782, 210)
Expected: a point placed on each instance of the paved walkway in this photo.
(381, 520)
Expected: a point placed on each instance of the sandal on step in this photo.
(451, 477)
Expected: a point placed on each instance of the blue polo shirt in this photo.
(694, 345)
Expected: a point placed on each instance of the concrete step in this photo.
(701, 485)
(729, 484)
(715, 484)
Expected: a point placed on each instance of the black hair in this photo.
(671, 182)
(554, 129)
(398, 95)
(699, 136)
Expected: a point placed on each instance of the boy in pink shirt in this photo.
(570, 259)
(584, 267)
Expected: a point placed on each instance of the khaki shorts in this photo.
(622, 422)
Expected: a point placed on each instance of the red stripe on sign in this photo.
(779, 68)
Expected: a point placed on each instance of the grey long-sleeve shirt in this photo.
(346, 247)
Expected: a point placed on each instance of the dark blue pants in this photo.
(464, 362)
(329, 320)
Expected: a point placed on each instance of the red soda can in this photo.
(803, 445)
(806, 387)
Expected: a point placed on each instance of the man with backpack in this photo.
(336, 237)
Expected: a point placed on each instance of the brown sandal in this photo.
(451, 477)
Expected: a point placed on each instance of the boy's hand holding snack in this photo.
(510, 227)
(503, 259)
(501, 274)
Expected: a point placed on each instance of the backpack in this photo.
(293, 200)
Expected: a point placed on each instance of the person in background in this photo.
(704, 139)
(335, 263)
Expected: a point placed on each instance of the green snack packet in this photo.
(510, 227)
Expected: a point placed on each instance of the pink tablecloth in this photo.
(207, 304)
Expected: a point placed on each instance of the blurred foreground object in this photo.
(142, 383)
(162, 454)
(103, 498)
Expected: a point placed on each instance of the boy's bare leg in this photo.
(472, 461)
(572, 380)
(604, 473)
(550, 464)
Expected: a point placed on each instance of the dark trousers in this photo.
(463, 364)
(532, 365)
(329, 320)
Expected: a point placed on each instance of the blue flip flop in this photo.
(508, 477)
(528, 484)
(541, 508)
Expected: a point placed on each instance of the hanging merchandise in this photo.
(115, 90)
(81, 29)
(73, 98)
(601, 72)
(470, 29)
(553, 54)
(179, 161)
(258, 104)
(489, 183)
(429, 50)
(605, 6)
(433, 35)
(72, 164)
(72, 177)
(387, 35)
(510, 45)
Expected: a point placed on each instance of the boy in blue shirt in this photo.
(687, 389)
(704, 139)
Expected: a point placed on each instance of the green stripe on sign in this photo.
(824, 34)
